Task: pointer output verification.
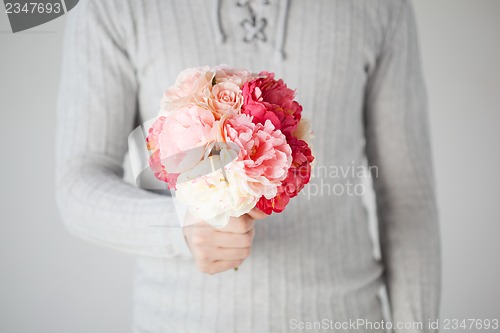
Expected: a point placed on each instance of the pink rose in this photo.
(268, 99)
(264, 153)
(225, 99)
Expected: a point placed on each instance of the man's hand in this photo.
(217, 250)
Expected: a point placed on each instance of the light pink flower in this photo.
(185, 128)
(154, 132)
(225, 99)
(154, 160)
(191, 86)
(237, 76)
(264, 153)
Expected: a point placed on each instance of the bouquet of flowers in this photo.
(227, 140)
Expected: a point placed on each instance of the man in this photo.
(356, 68)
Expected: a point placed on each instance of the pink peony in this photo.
(154, 133)
(194, 125)
(185, 128)
(154, 160)
(264, 153)
(159, 170)
(152, 144)
(298, 176)
(268, 99)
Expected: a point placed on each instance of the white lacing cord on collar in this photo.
(254, 27)
(281, 30)
(220, 35)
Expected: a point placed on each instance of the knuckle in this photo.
(198, 240)
(237, 263)
(246, 240)
(210, 271)
(246, 252)
(246, 227)
(205, 268)
(249, 224)
(240, 228)
(202, 268)
(203, 257)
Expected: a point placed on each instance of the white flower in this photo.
(216, 196)
(303, 130)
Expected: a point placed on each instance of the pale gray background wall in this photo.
(53, 282)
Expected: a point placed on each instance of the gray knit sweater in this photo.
(355, 65)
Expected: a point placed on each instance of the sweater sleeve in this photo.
(398, 145)
(96, 111)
